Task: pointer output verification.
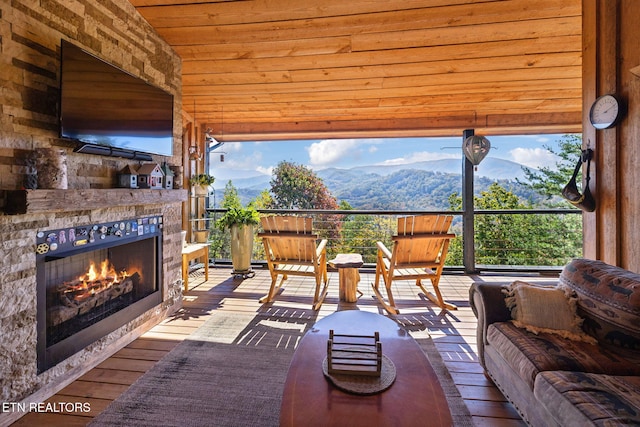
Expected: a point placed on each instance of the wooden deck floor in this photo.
(453, 333)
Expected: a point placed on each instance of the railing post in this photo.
(468, 241)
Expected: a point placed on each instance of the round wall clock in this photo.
(606, 112)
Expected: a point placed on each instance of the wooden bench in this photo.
(189, 253)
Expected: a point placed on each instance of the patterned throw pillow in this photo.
(545, 309)
(608, 300)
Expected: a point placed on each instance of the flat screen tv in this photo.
(109, 111)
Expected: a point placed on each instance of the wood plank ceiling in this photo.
(300, 69)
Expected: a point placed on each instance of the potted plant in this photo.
(201, 183)
(241, 223)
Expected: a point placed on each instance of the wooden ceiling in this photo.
(300, 69)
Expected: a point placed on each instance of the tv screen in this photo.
(115, 112)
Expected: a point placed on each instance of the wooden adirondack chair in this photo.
(290, 248)
(419, 252)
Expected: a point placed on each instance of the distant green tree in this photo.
(295, 186)
(262, 201)
(221, 240)
(549, 181)
(361, 232)
(230, 197)
(344, 206)
(507, 239)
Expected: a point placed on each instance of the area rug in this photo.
(231, 372)
(459, 412)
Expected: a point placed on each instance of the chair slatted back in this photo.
(421, 240)
(289, 238)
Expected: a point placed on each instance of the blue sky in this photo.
(248, 159)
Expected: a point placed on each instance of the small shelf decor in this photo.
(354, 354)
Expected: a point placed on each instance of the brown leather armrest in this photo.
(487, 303)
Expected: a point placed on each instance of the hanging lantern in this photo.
(475, 148)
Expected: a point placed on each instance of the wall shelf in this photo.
(40, 201)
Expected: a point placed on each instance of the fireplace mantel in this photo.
(39, 201)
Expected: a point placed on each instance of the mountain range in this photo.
(419, 185)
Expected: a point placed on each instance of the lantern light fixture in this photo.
(476, 148)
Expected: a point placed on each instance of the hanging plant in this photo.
(202, 179)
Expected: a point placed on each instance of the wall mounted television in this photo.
(111, 112)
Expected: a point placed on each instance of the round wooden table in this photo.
(414, 399)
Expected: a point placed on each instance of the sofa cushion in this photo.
(545, 309)
(608, 300)
(581, 399)
(529, 354)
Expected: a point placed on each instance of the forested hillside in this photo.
(406, 189)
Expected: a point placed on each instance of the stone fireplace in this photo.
(58, 316)
(93, 279)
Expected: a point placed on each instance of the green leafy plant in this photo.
(238, 216)
(202, 179)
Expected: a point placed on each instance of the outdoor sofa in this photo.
(565, 355)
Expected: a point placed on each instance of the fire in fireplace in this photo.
(92, 280)
(98, 286)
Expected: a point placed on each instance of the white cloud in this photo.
(332, 150)
(421, 156)
(265, 171)
(533, 157)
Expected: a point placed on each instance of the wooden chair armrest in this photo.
(321, 247)
(290, 234)
(424, 236)
(382, 248)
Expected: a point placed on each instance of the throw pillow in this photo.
(545, 309)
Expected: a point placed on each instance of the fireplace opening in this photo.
(92, 280)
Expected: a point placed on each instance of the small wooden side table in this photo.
(348, 265)
(190, 252)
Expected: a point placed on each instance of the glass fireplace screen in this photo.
(92, 280)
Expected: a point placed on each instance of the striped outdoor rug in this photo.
(231, 372)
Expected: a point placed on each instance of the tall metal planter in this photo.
(242, 249)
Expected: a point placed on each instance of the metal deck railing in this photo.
(531, 240)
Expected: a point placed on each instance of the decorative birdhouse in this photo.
(150, 175)
(168, 176)
(128, 177)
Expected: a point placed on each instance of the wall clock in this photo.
(606, 111)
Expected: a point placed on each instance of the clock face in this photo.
(605, 112)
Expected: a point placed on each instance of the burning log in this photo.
(80, 296)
